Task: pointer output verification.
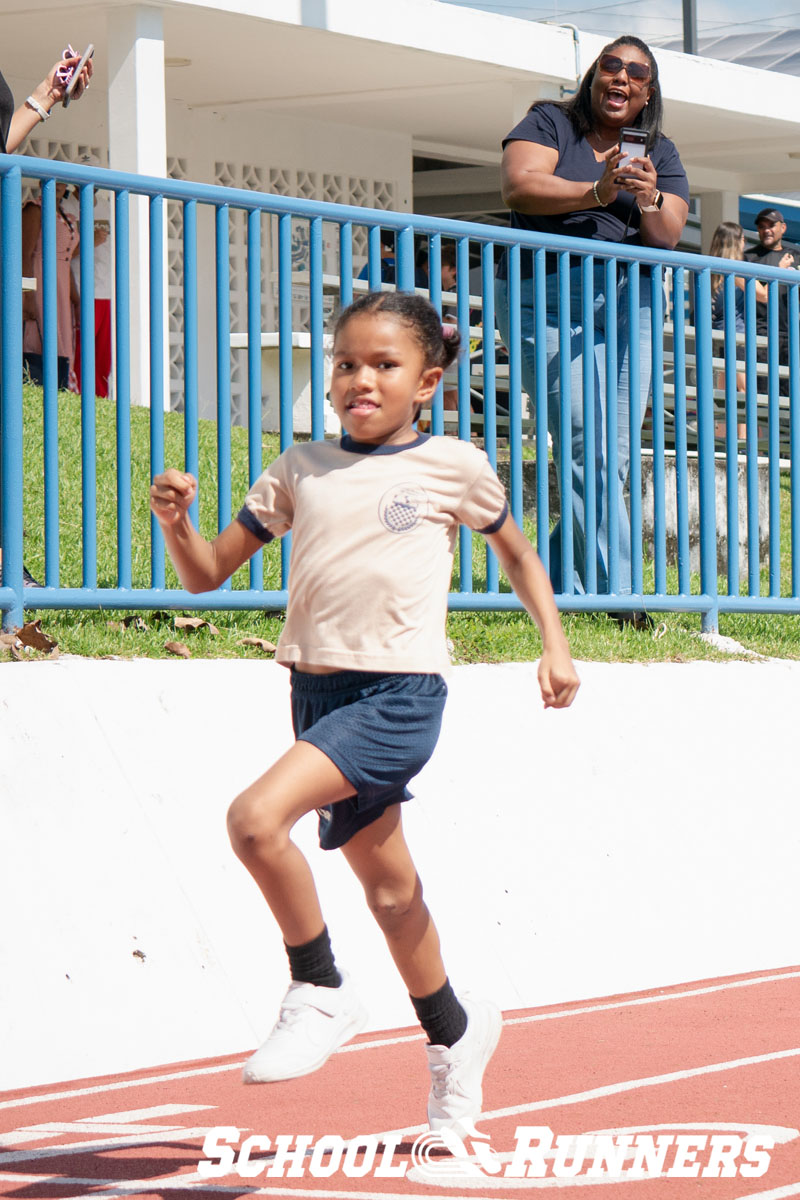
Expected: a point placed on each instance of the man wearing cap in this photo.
(771, 252)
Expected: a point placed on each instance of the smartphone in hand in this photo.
(75, 74)
(633, 144)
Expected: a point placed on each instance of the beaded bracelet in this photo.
(596, 195)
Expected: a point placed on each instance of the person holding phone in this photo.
(15, 125)
(564, 171)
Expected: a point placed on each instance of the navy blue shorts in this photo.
(378, 729)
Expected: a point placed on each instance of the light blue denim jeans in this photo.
(602, 314)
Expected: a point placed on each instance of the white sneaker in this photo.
(456, 1094)
(313, 1022)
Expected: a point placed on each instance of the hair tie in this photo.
(449, 330)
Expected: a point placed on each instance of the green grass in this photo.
(476, 637)
(512, 637)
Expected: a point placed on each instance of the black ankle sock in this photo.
(441, 1016)
(313, 962)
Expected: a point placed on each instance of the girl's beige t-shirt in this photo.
(373, 535)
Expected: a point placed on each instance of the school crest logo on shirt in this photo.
(403, 508)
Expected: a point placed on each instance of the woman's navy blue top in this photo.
(548, 125)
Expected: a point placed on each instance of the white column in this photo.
(716, 207)
(521, 97)
(137, 128)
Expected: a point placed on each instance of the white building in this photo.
(339, 99)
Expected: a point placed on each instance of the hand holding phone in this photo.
(633, 144)
(71, 76)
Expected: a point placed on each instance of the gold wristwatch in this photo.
(658, 200)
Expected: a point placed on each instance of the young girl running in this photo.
(374, 518)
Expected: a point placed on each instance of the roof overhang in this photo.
(455, 79)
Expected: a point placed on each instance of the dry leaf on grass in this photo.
(178, 648)
(195, 623)
(260, 643)
(21, 653)
(34, 636)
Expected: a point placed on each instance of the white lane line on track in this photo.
(631, 1085)
(613, 1089)
(137, 1115)
(131, 1122)
(114, 1190)
(21, 1101)
(171, 1137)
(97, 1089)
(704, 991)
(780, 1193)
(108, 1189)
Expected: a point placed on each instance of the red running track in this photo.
(712, 1069)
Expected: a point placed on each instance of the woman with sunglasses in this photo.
(563, 173)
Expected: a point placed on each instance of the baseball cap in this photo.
(768, 214)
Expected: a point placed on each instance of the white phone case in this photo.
(76, 74)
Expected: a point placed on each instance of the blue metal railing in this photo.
(702, 389)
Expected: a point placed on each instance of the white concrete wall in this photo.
(650, 835)
(239, 148)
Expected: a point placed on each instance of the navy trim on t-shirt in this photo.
(354, 447)
(246, 518)
(495, 525)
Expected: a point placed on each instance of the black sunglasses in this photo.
(609, 64)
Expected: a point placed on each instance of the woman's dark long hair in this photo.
(579, 107)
